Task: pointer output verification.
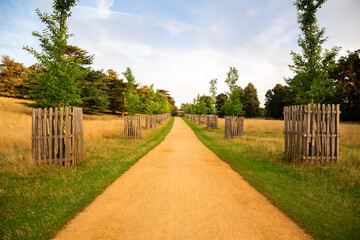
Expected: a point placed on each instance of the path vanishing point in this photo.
(181, 190)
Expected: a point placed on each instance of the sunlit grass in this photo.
(323, 198)
(36, 201)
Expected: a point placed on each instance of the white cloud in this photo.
(103, 7)
(252, 12)
(175, 27)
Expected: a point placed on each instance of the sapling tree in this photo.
(132, 99)
(213, 89)
(151, 105)
(57, 84)
(311, 82)
(232, 106)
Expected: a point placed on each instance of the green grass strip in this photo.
(312, 195)
(37, 203)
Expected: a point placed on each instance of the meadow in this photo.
(35, 202)
(324, 199)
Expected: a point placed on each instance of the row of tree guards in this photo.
(58, 134)
(234, 126)
(311, 132)
(132, 124)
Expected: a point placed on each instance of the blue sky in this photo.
(180, 45)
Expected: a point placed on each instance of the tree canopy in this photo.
(57, 84)
(311, 82)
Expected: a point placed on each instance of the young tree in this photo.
(213, 90)
(132, 102)
(129, 78)
(311, 82)
(132, 99)
(232, 78)
(57, 84)
(232, 106)
(250, 101)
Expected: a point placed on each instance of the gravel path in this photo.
(181, 190)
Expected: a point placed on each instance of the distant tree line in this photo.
(63, 76)
(97, 90)
(236, 102)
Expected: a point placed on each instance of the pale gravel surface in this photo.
(181, 190)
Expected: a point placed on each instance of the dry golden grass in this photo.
(269, 134)
(15, 131)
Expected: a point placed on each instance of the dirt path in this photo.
(181, 190)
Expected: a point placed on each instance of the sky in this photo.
(180, 45)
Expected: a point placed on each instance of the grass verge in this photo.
(36, 202)
(323, 199)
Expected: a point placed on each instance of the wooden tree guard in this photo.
(234, 127)
(57, 136)
(312, 133)
(150, 121)
(212, 121)
(132, 127)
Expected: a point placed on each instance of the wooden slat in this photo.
(337, 131)
(72, 125)
(67, 138)
(56, 131)
(328, 133)
(51, 136)
(39, 135)
(33, 134)
(61, 138)
(332, 130)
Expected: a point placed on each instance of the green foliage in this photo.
(12, 76)
(347, 79)
(311, 82)
(151, 106)
(219, 104)
(93, 92)
(213, 89)
(129, 78)
(57, 84)
(232, 78)
(250, 101)
(163, 106)
(276, 99)
(233, 106)
(115, 90)
(132, 102)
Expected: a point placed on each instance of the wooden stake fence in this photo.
(234, 127)
(150, 121)
(132, 127)
(57, 136)
(312, 133)
(212, 121)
